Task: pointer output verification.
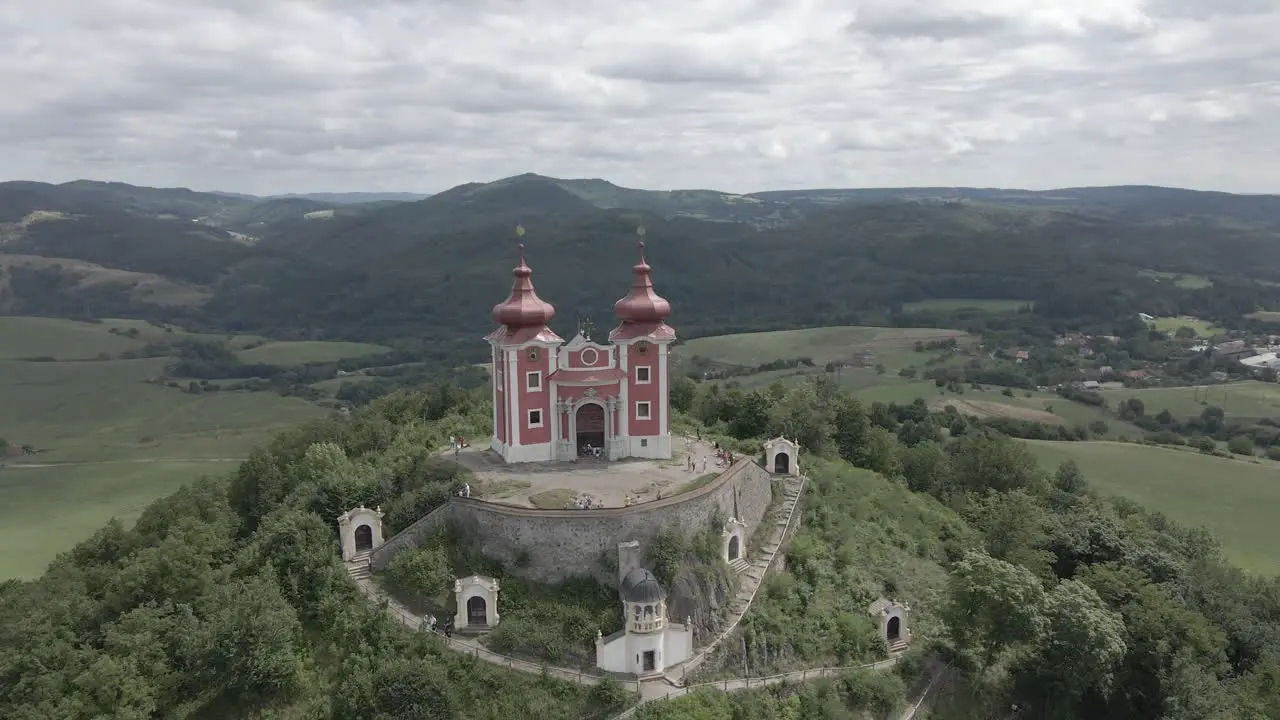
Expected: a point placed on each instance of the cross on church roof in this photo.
(585, 326)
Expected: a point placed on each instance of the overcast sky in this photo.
(270, 96)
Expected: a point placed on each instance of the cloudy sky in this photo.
(268, 96)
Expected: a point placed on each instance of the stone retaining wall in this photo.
(551, 545)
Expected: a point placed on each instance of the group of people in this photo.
(724, 458)
(586, 502)
(692, 465)
(429, 623)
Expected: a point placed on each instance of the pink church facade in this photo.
(557, 401)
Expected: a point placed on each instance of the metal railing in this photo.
(480, 653)
(698, 659)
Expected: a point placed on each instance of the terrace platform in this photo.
(558, 485)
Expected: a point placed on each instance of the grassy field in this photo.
(1267, 316)
(31, 337)
(993, 403)
(110, 437)
(1188, 282)
(1203, 328)
(1236, 499)
(46, 510)
(306, 351)
(1248, 399)
(824, 345)
(953, 304)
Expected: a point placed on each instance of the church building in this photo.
(559, 401)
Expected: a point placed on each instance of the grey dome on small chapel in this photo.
(640, 586)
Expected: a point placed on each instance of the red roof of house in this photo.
(588, 375)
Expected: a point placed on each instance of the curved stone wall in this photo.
(551, 545)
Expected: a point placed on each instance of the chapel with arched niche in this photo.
(360, 532)
(782, 456)
(558, 401)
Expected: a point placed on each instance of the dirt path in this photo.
(661, 688)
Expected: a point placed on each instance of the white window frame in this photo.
(648, 374)
(533, 381)
(648, 410)
(529, 418)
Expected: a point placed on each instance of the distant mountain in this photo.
(354, 198)
(432, 268)
(1139, 203)
(21, 198)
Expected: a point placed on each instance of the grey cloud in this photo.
(677, 67)
(938, 27)
(417, 95)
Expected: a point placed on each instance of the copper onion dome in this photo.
(523, 308)
(643, 305)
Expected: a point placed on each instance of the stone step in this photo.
(739, 565)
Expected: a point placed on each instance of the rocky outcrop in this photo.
(702, 592)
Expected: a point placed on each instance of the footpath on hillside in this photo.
(667, 686)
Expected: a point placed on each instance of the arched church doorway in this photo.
(895, 628)
(590, 427)
(781, 463)
(735, 548)
(477, 612)
(364, 538)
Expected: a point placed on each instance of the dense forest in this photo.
(227, 599)
(425, 274)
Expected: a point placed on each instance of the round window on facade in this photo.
(590, 356)
(642, 347)
(533, 353)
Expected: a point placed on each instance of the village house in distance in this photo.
(556, 401)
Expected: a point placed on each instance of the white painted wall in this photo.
(612, 657)
(679, 644)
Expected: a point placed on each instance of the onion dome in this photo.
(640, 586)
(523, 308)
(643, 305)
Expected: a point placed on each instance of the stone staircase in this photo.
(358, 567)
(897, 647)
(752, 575)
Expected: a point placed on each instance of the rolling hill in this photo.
(432, 268)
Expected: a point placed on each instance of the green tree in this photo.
(683, 392)
(248, 640)
(1241, 445)
(1080, 645)
(991, 607)
(987, 460)
(850, 426)
(1013, 527)
(1069, 479)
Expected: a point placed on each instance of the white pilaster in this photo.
(494, 367)
(513, 397)
(663, 396)
(625, 413)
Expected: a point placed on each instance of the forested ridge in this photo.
(425, 274)
(227, 599)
